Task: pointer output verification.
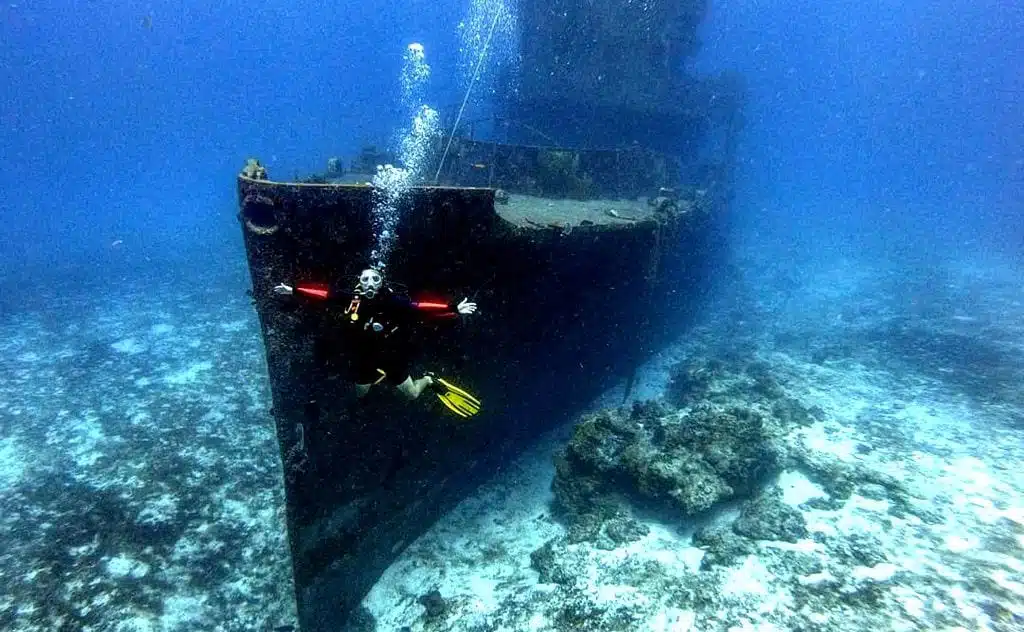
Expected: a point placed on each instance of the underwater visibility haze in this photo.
(645, 315)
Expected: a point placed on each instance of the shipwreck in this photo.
(585, 252)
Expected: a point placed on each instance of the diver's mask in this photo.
(370, 282)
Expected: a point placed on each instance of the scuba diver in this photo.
(377, 329)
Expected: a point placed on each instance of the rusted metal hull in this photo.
(566, 309)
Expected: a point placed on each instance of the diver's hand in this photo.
(465, 307)
(282, 289)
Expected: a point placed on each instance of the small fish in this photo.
(479, 165)
(147, 22)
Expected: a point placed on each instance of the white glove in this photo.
(465, 307)
(283, 289)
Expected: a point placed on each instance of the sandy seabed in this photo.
(140, 487)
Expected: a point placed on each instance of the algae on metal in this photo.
(363, 479)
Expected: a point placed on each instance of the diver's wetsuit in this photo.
(377, 332)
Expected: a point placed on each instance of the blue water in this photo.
(119, 129)
(887, 133)
(128, 121)
(893, 125)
